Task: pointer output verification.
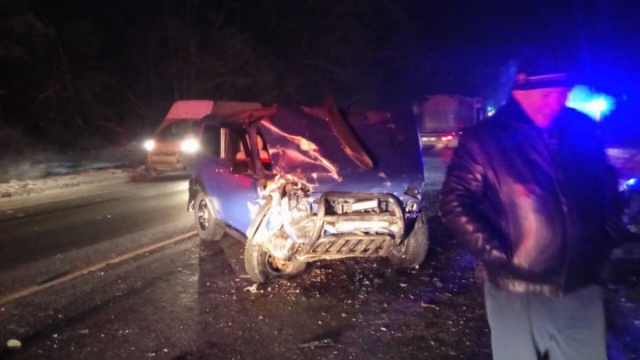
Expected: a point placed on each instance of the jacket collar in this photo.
(513, 112)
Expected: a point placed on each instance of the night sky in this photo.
(111, 69)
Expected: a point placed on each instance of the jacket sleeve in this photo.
(460, 205)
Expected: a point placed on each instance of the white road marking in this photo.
(75, 274)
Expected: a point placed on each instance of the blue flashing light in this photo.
(592, 104)
(631, 182)
(599, 105)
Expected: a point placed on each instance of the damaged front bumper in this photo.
(336, 225)
(354, 224)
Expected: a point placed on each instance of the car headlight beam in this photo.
(190, 146)
(149, 145)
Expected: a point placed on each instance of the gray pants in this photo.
(527, 326)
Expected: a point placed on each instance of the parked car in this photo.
(175, 141)
(304, 184)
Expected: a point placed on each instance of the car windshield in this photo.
(176, 130)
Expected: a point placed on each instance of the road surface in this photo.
(43, 241)
(84, 292)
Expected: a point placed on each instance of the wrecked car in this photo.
(304, 184)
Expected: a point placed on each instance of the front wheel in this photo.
(208, 226)
(414, 248)
(261, 266)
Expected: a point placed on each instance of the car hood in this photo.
(356, 151)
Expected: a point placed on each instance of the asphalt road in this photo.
(55, 238)
(193, 299)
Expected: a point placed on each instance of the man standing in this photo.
(530, 192)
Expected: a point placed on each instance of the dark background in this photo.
(78, 73)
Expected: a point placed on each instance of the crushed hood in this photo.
(357, 151)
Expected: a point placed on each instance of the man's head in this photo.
(542, 86)
(542, 105)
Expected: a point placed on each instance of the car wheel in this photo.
(208, 226)
(413, 249)
(262, 267)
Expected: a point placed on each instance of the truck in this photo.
(442, 118)
(174, 142)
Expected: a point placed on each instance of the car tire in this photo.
(209, 228)
(261, 267)
(413, 249)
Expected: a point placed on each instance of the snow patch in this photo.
(18, 188)
(53, 172)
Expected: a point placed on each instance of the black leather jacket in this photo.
(540, 208)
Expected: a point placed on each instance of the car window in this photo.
(243, 152)
(176, 130)
(264, 153)
(238, 148)
(210, 140)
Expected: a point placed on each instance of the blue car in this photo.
(304, 184)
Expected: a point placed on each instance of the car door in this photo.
(224, 167)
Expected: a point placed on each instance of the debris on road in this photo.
(14, 344)
(328, 338)
(318, 343)
(425, 305)
(252, 289)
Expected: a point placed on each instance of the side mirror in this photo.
(240, 167)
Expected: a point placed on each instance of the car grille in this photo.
(340, 231)
(344, 245)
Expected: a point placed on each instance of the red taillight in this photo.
(448, 137)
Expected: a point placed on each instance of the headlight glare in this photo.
(149, 145)
(190, 146)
